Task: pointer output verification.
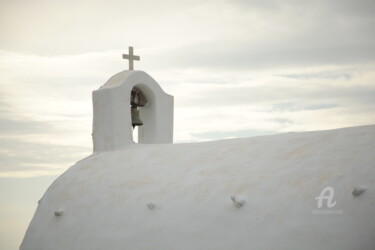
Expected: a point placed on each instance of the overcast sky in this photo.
(236, 68)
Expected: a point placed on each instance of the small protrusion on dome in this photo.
(237, 202)
(151, 205)
(358, 190)
(58, 212)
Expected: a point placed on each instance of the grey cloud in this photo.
(5, 107)
(73, 27)
(14, 123)
(258, 4)
(283, 121)
(19, 127)
(327, 34)
(314, 97)
(16, 155)
(358, 8)
(61, 86)
(242, 55)
(320, 75)
(332, 7)
(292, 106)
(215, 135)
(297, 33)
(362, 94)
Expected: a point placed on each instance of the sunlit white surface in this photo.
(229, 194)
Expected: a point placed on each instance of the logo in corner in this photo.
(326, 198)
(326, 194)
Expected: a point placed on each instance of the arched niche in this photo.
(112, 127)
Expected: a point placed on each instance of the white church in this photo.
(308, 190)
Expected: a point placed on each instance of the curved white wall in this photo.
(179, 196)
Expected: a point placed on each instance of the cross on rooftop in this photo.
(131, 57)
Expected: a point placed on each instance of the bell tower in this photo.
(114, 102)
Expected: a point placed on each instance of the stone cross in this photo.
(131, 57)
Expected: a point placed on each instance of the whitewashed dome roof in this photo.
(178, 196)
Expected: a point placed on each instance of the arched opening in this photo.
(112, 125)
(137, 101)
(135, 134)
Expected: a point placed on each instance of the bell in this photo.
(136, 120)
